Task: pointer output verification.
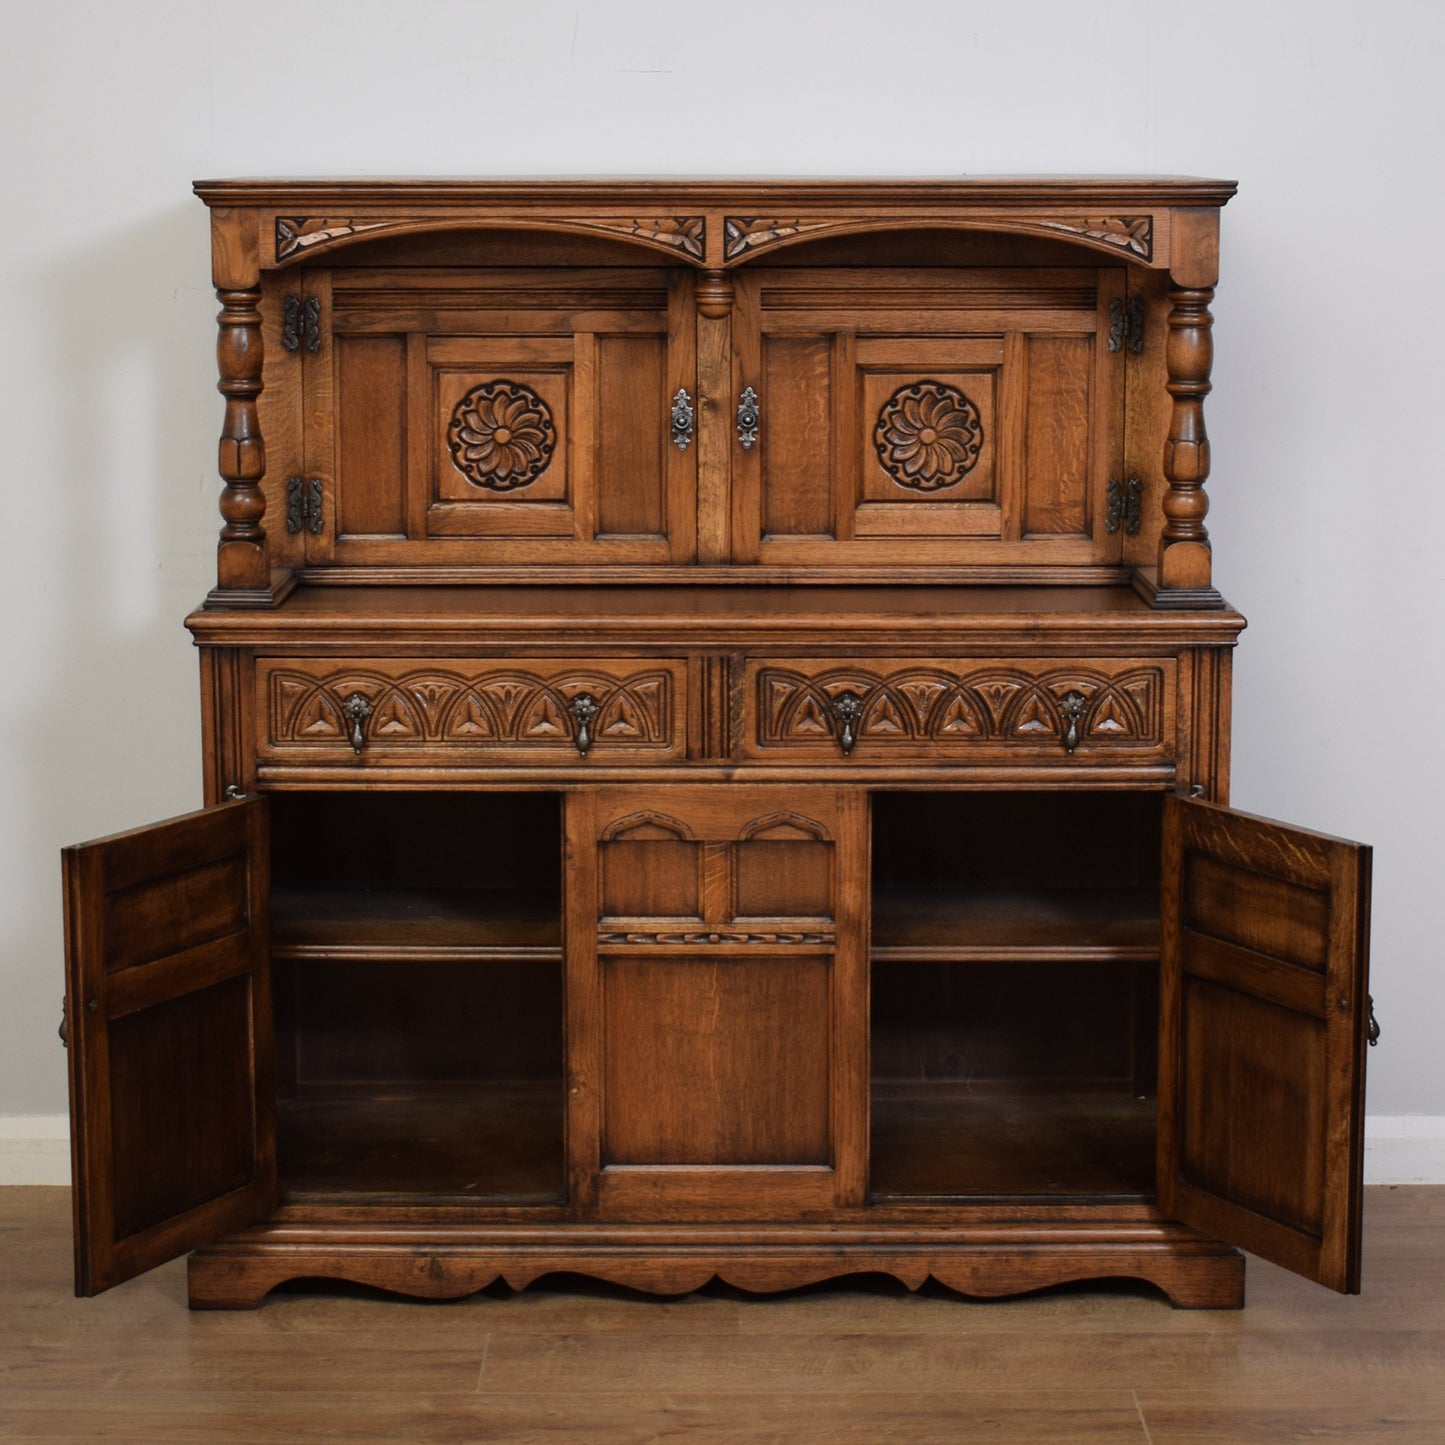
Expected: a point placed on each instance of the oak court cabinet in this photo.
(716, 750)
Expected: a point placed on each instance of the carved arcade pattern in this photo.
(503, 707)
(994, 704)
(501, 436)
(928, 436)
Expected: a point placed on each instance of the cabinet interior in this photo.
(1014, 994)
(417, 978)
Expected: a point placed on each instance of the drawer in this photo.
(940, 709)
(471, 710)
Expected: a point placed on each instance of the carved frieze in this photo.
(693, 937)
(433, 705)
(685, 234)
(928, 436)
(991, 705)
(501, 435)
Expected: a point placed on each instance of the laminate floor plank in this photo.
(858, 1360)
(1028, 1418)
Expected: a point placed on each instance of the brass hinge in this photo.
(303, 504)
(1125, 505)
(301, 323)
(1126, 325)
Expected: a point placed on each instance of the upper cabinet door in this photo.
(929, 416)
(500, 417)
(1264, 1010)
(169, 1015)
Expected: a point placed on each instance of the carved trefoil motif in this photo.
(501, 435)
(993, 705)
(751, 233)
(433, 706)
(928, 436)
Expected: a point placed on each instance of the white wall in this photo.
(1327, 509)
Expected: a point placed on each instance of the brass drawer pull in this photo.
(847, 710)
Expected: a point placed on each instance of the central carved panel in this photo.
(928, 436)
(501, 435)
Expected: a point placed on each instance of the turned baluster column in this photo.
(241, 555)
(1184, 553)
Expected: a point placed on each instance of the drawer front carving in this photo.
(930, 708)
(512, 709)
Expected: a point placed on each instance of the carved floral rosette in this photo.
(501, 436)
(928, 436)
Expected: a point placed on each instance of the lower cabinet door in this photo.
(716, 1000)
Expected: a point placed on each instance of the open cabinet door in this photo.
(172, 1117)
(1264, 1016)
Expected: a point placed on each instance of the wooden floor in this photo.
(860, 1361)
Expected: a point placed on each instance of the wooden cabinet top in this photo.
(725, 221)
(990, 380)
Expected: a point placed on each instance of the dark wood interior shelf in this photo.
(950, 1139)
(958, 926)
(414, 924)
(493, 1141)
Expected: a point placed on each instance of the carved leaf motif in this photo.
(301, 233)
(1134, 234)
(752, 233)
(684, 232)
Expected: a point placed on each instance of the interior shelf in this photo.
(950, 1139)
(493, 1141)
(409, 924)
(952, 925)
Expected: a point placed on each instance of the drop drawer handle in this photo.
(584, 709)
(847, 710)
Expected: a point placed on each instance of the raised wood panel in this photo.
(371, 433)
(1264, 978)
(716, 1061)
(170, 1038)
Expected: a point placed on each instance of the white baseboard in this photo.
(1404, 1149)
(34, 1149)
(1399, 1149)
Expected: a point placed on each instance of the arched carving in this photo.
(645, 825)
(299, 236)
(1129, 236)
(784, 826)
